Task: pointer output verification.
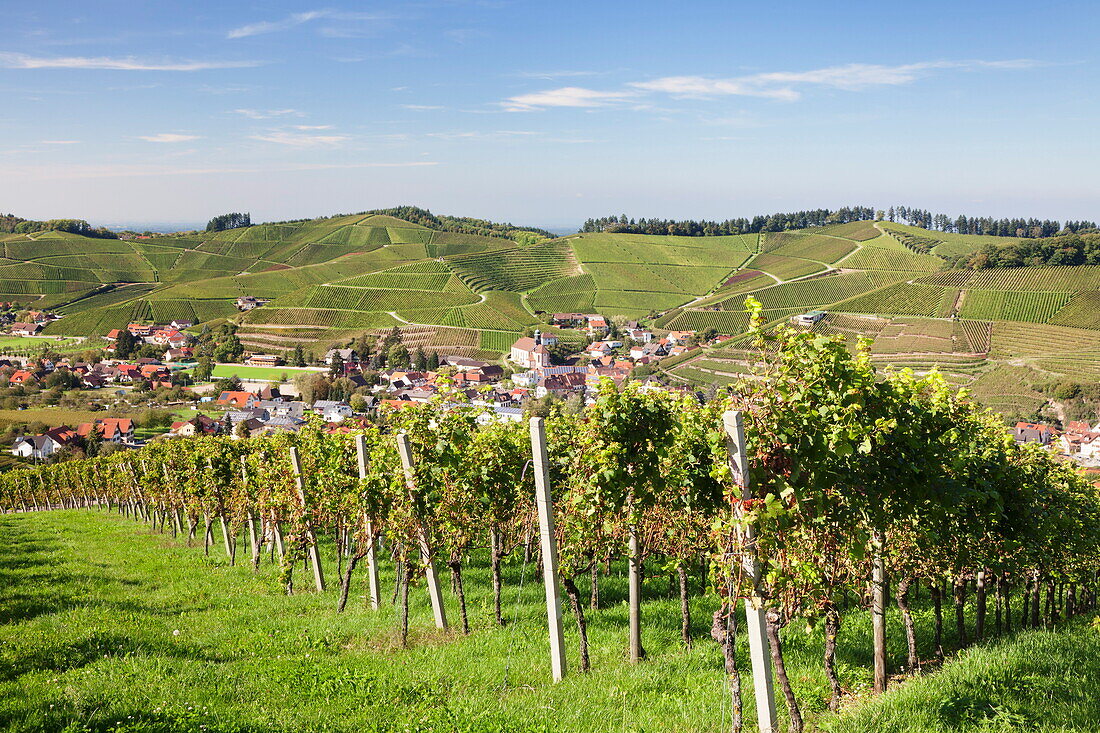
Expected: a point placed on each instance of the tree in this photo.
(124, 344)
(228, 221)
(204, 369)
(298, 359)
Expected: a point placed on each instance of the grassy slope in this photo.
(92, 604)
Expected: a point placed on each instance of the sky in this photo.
(546, 113)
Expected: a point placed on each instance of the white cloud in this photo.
(267, 114)
(300, 140)
(128, 63)
(312, 127)
(563, 97)
(421, 107)
(40, 172)
(59, 142)
(168, 137)
(849, 77)
(554, 74)
(270, 26)
(779, 85)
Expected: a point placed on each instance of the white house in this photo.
(530, 353)
(332, 411)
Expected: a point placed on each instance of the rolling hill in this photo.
(330, 279)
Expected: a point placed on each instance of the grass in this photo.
(254, 372)
(109, 627)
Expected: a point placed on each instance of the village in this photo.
(353, 390)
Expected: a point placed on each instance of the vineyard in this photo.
(807, 504)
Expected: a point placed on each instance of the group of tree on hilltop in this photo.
(704, 228)
(14, 224)
(223, 222)
(987, 225)
(1065, 249)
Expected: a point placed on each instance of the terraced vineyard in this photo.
(330, 279)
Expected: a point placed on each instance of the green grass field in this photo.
(254, 372)
(109, 627)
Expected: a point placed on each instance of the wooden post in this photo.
(253, 537)
(545, 505)
(759, 649)
(440, 613)
(311, 538)
(372, 561)
(878, 613)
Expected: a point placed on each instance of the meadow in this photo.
(110, 627)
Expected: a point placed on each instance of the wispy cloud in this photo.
(267, 114)
(347, 27)
(421, 107)
(59, 142)
(127, 63)
(312, 127)
(300, 140)
(271, 26)
(785, 86)
(478, 135)
(560, 74)
(564, 97)
(168, 137)
(40, 172)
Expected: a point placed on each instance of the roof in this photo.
(108, 427)
(1038, 427)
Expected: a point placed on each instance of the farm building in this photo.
(808, 319)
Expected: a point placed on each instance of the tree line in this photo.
(1064, 249)
(987, 225)
(1005, 227)
(223, 222)
(847, 487)
(72, 226)
(705, 228)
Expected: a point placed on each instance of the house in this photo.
(198, 425)
(22, 376)
(499, 413)
(808, 319)
(111, 429)
(174, 355)
(569, 319)
(238, 399)
(1026, 432)
(332, 410)
(248, 302)
(171, 337)
(597, 324)
(560, 384)
(180, 325)
(113, 334)
(598, 349)
(341, 355)
(649, 349)
(39, 447)
(267, 360)
(283, 408)
(676, 337)
(25, 329)
(640, 336)
(138, 330)
(530, 352)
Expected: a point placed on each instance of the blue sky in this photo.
(546, 112)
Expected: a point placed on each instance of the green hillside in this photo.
(331, 279)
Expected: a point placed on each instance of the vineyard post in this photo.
(549, 548)
(253, 537)
(311, 538)
(404, 447)
(878, 612)
(372, 561)
(759, 649)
